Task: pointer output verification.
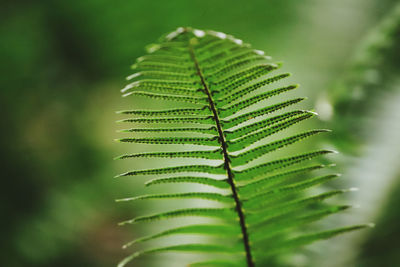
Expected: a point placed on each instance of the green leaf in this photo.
(209, 248)
(205, 154)
(310, 238)
(286, 208)
(188, 99)
(261, 169)
(222, 263)
(283, 191)
(234, 108)
(260, 112)
(252, 154)
(171, 141)
(201, 120)
(237, 94)
(191, 179)
(168, 112)
(285, 223)
(202, 229)
(182, 89)
(188, 168)
(243, 76)
(246, 140)
(235, 65)
(230, 58)
(210, 130)
(211, 89)
(270, 180)
(201, 195)
(221, 213)
(162, 75)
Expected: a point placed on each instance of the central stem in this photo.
(227, 164)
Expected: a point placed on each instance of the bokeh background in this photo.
(63, 63)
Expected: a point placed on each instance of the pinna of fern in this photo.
(217, 84)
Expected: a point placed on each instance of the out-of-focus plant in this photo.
(372, 72)
(365, 107)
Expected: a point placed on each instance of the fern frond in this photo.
(220, 89)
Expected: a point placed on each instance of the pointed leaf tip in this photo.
(199, 33)
(125, 199)
(126, 222)
(259, 52)
(117, 157)
(132, 76)
(120, 175)
(127, 94)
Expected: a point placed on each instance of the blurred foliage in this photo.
(373, 70)
(381, 249)
(63, 63)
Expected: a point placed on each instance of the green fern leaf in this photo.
(219, 90)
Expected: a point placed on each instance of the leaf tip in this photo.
(370, 225)
(126, 88)
(125, 199)
(260, 52)
(127, 245)
(149, 183)
(151, 48)
(127, 94)
(312, 112)
(118, 157)
(134, 75)
(325, 130)
(119, 121)
(199, 33)
(126, 222)
(120, 175)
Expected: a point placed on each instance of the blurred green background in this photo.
(63, 63)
